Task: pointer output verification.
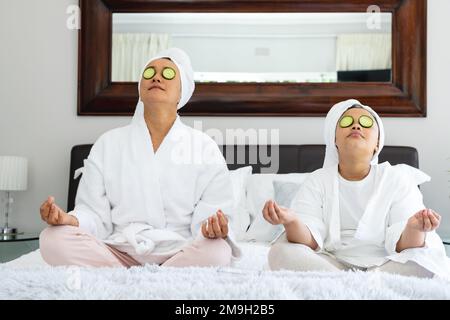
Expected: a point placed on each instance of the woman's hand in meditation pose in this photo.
(275, 214)
(54, 215)
(425, 220)
(216, 227)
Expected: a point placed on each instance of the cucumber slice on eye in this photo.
(168, 73)
(366, 121)
(346, 122)
(149, 73)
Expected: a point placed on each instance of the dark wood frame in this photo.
(404, 97)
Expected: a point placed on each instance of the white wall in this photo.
(38, 87)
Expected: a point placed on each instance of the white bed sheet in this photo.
(29, 277)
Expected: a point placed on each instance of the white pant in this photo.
(299, 257)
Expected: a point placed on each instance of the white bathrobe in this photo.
(395, 199)
(143, 202)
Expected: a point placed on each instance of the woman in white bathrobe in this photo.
(355, 213)
(154, 191)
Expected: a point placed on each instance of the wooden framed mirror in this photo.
(404, 95)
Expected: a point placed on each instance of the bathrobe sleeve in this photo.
(308, 204)
(92, 207)
(407, 202)
(216, 193)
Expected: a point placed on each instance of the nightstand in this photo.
(14, 246)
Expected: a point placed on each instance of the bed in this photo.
(29, 277)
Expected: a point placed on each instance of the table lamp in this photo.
(13, 177)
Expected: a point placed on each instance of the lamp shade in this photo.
(13, 173)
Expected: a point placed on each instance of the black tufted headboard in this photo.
(265, 159)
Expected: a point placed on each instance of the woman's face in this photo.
(159, 89)
(356, 138)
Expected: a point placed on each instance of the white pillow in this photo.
(259, 190)
(241, 218)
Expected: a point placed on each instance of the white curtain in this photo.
(364, 51)
(130, 51)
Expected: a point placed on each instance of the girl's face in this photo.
(357, 131)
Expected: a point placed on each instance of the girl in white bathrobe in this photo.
(154, 191)
(355, 213)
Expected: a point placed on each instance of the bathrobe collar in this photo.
(175, 130)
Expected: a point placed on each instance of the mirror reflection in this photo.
(259, 47)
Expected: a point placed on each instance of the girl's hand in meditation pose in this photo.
(425, 220)
(275, 214)
(54, 215)
(413, 236)
(296, 230)
(216, 227)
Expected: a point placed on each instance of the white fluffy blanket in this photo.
(246, 280)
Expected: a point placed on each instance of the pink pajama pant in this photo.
(68, 245)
